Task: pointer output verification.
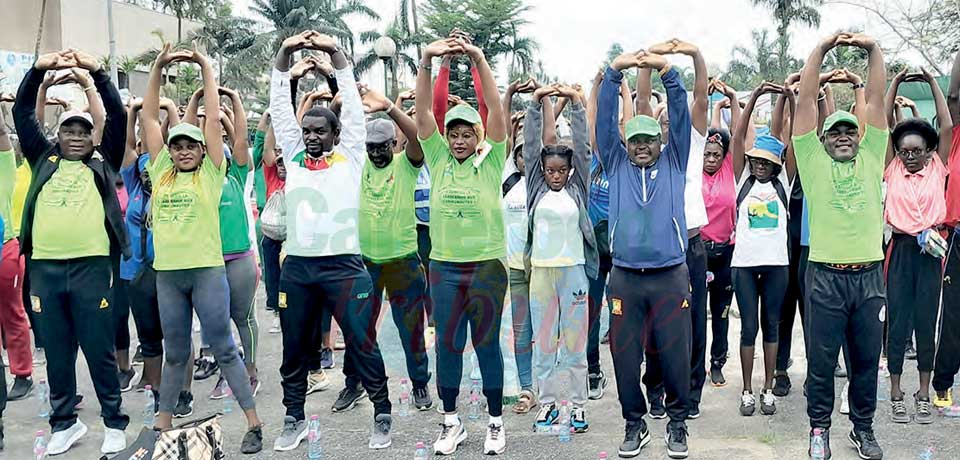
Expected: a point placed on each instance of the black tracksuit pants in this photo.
(340, 284)
(913, 301)
(650, 310)
(72, 300)
(947, 361)
(595, 297)
(721, 296)
(792, 301)
(653, 377)
(843, 305)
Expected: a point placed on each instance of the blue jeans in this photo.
(522, 327)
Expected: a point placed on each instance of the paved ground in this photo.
(721, 433)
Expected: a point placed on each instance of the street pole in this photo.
(416, 25)
(386, 77)
(113, 44)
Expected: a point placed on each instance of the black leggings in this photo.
(721, 294)
(121, 313)
(767, 285)
(913, 300)
(146, 316)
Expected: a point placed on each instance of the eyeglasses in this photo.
(912, 153)
(760, 162)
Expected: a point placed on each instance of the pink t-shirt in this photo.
(720, 198)
(915, 202)
(953, 185)
(123, 198)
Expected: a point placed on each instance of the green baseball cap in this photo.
(186, 130)
(840, 116)
(642, 125)
(462, 112)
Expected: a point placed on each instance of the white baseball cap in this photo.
(71, 115)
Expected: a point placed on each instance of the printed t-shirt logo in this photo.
(35, 303)
(616, 307)
(103, 303)
(459, 203)
(177, 207)
(378, 196)
(282, 300)
(66, 189)
(685, 304)
(848, 193)
(764, 213)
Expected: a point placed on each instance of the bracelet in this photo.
(390, 105)
(859, 85)
(89, 88)
(426, 66)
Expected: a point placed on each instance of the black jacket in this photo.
(44, 157)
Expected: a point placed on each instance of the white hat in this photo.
(75, 115)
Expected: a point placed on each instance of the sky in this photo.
(574, 40)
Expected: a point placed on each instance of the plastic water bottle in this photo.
(927, 454)
(563, 422)
(421, 452)
(565, 435)
(149, 416)
(40, 446)
(228, 401)
(710, 277)
(43, 399)
(475, 374)
(314, 450)
(474, 410)
(404, 398)
(603, 456)
(817, 446)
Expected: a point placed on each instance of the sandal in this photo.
(527, 402)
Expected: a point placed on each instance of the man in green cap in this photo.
(842, 172)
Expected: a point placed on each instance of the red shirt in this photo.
(272, 180)
(953, 182)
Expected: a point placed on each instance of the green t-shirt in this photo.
(69, 221)
(844, 198)
(8, 178)
(186, 217)
(259, 183)
(234, 228)
(466, 221)
(388, 220)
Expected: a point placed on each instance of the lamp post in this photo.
(386, 49)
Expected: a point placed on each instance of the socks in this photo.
(496, 420)
(451, 419)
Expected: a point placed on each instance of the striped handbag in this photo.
(197, 440)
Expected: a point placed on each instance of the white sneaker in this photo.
(496, 441)
(317, 381)
(275, 326)
(844, 399)
(451, 436)
(62, 441)
(114, 441)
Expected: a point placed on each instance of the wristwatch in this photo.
(859, 85)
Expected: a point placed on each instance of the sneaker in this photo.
(596, 383)
(635, 437)
(114, 441)
(840, 372)
(126, 379)
(496, 440)
(184, 405)
(62, 441)
(39, 358)
(138, 356)
(845, 399)
(78, 401)
(429, 337)
(768, 402)
(206, 367)
(294, 431)
(275, 324)
(220, 389)
(693, 413)
(338, 343)
(22, 386)
(421, 399)
(943, 399)
(781, 385)
(326, 359)
(716, 377)
(606, 338)
(825, 434)
(255, 386)
(317, 381)
(348, 399)
(578, 420)
(156, 401)
(748, 403)
(898, 411)
(657, 409)
(924, 414)
(252, 441)
(380, 438)
(676, 439)
(451, 436)
(866, 443)
(546, 416)
(910, 352)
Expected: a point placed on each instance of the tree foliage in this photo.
(401, 32)
(290, 17)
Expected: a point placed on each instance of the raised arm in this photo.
(738, 136)
(533, 136)
(698, 112)
(777, 117)
(150, 113)
(788, 150)
(806, 116)
(944, 119)
(592, 109)
(283, 117)
(876, 77)
(481, 101)
(549, 121)
(609, 143)
(211, 100)
(374, 102)
(193, 108)
(48, 81)
(626, 107)
(241, 143)
(426, 123)
(578, 128)
(131, 154)
(953, 96)
(173, 115)
(644, 92)
(33, 142)
(496, 127)
(441, 89)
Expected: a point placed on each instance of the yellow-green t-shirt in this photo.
(24, 177)
(844, 199)
(466, 221)
(69, 221)
(8, 177)
(388, 220)
(186, 214)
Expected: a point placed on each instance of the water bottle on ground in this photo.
(603, 456)
(563, 422)
(421, 452)
(565, 435)
(474, 410)
(817, 446)
(475, 374)
(149, 416)
(228, 401)
(40, 446)
(404, 410)
(43, 399)
(314, 450)
(927, 454)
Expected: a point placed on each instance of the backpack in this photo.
(745, 190)
(273, 218)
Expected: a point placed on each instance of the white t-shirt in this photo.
(515, 220)
(557, 239)
(694, 207)
(761, 231)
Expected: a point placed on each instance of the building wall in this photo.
(20, 21)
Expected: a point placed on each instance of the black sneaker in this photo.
(252, 441)
(206, 367)
(184, 405)
(156, 401)
(126, 379)
(326, 359)
(348, 399)
(676, 440)
(866, 443)
(422, 399)
(693, 413)
(716, 377)
(825, 434)
(840, 372)
(781, 385)
(657, 409)
(636, 436)
(910, 352)
(22, 386)
(596, 383)
(138, 356)
(606, 338)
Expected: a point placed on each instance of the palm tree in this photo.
(224, 37)
(402, 34)
(188, 9)
(749, 67)
(521, 50)
(787, 13)
(290, 17)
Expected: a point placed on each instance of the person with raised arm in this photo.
(468, 281)
(842, 171)
(649, 287)
(72, 232)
